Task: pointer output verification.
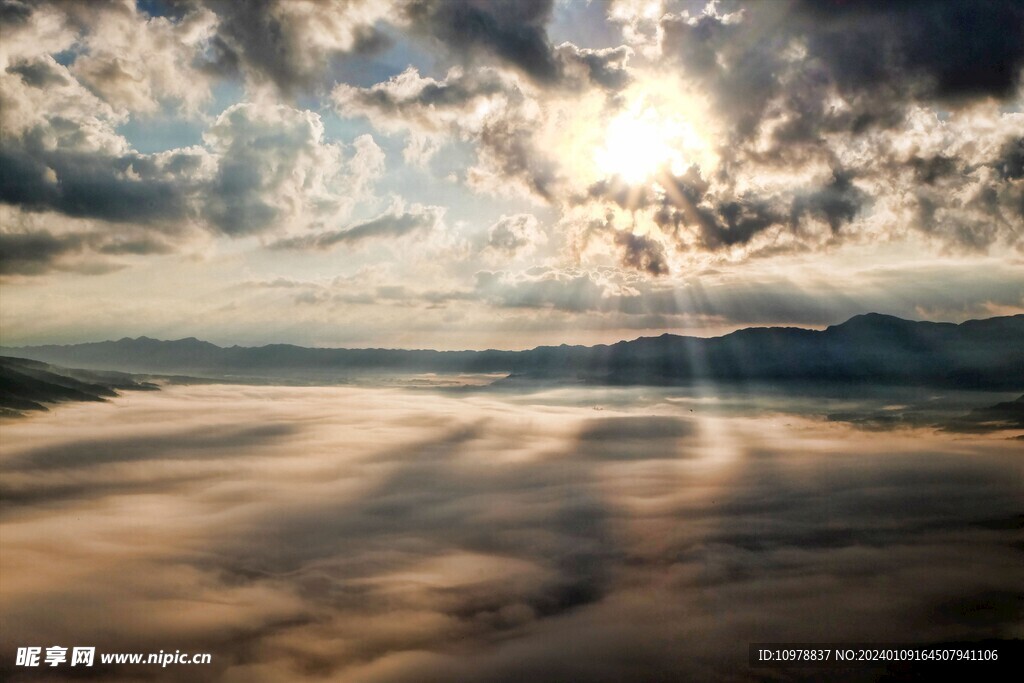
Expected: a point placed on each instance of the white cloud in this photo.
(276, 172)
(519, 233)
(136, 63)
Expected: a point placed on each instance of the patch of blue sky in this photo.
(67, 57)
(161, 8)
(442, 182)
(583, 24)
(160, 133)
(225, 94)
(170, 129)
(365, 70)
(341, 129)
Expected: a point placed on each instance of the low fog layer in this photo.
(386, 535)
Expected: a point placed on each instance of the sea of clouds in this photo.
(393, 534)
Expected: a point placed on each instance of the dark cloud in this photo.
(794, 90)
(1011, 161)
(290, 49)
(739, 71)
(62, 156)
(34, 253)
(132, 204)
(836, 203)
(606, 68)
(13, 12)
(135, 246)
(502, 131)
(512, 234)
(688, 212)
(642, 252)
(934, 168)
(427, 101)
(41, 251)
(508, 147)
(795, 84)
(617, 190)
(950, 50)
(513, 31)
(688, 207)
(879, 55)
(38, 73)
(733, 222)
(129, 188)
(393, 225)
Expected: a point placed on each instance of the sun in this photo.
(650, 137)
(654, 129)
(639, 143)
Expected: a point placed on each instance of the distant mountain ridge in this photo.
(983, 354)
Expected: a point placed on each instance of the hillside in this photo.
(29, 385)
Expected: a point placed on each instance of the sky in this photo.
(496, 174)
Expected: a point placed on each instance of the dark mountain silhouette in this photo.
(1003, 415)
(29, 384)
(872, 348)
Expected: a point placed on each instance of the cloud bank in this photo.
(364, 534)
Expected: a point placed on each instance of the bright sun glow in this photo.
(640, 142)
(647, 139)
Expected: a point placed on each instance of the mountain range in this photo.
(870, 348)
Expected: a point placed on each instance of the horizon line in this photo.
(554, 345)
